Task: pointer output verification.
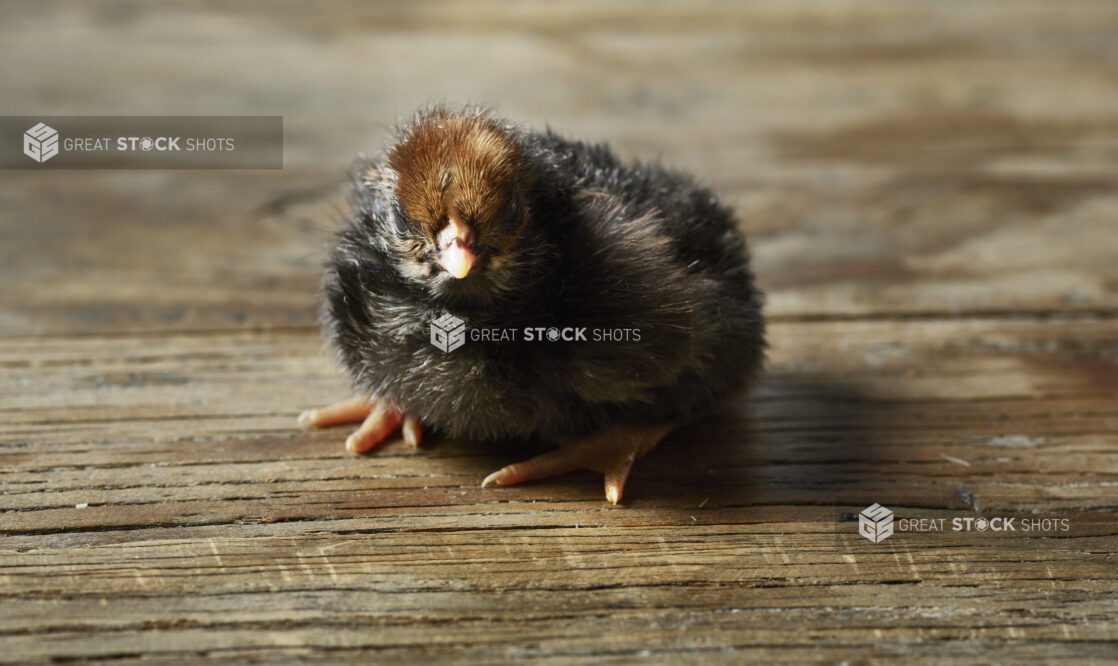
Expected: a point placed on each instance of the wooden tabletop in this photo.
(930, 194)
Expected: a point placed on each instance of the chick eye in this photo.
(512, 216)
(401, 226)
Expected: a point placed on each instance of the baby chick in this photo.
(606, 303)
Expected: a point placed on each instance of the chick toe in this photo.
(345, 411)
(376, 427)
(610, 452)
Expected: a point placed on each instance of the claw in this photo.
(413, 431)
(616, 473)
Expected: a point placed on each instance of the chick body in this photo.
(600, 245)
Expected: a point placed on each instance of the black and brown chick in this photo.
(529, 238)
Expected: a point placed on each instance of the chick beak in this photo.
(455, 255)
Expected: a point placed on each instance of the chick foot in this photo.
(610, 452)
(378, 420)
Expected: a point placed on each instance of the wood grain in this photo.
(929, 190)
(213, 526)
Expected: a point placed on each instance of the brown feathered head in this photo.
(458, 181)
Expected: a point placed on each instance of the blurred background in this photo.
(885, 157)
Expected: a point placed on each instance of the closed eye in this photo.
(510, 216)
(401, 226)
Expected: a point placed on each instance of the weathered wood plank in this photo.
(1018, 416)
(385, 591)
(214, 527)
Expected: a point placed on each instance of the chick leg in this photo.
(378, 420)
(610, 452)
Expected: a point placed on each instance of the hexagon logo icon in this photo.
(875, 523)
(448, 333)
(40, 143)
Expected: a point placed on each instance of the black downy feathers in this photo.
(566, 237)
